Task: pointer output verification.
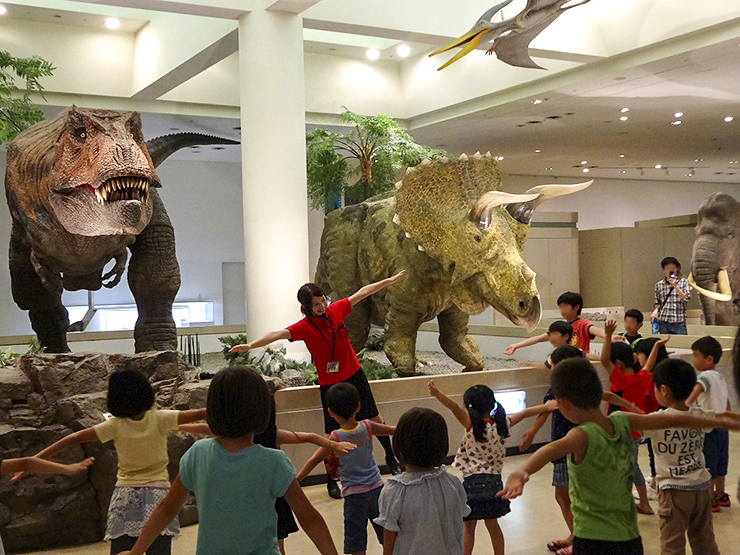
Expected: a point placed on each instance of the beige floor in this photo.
(534, 520)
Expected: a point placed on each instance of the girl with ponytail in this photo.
(481, 454)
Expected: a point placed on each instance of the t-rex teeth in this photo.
(105, 193)
(396, 219)
(99, 196)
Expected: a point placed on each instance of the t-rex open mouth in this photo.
(122, 188)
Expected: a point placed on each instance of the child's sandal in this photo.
(567, 550)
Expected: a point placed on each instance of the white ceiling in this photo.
(69, 17)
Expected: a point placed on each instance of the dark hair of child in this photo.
(343, 399)
(305, 296)
(238, 403)
(645, 347)
(636, 314)
(566, 351)
(481, 404)
(562, 327)
(573, 299)
(129, 393)
(576, 381)
(623, 353)
(421, 438)
(708, 346)
(677, 375)
(670, 260)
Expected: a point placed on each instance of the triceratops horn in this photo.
(522, 212)
(481, 211)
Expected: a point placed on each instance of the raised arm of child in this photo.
(373, 288)
(574, 443)
(460, 413)
(615, 399)
(320, 454)
(660, 420)
(606, 350)
(650, 363)
(269, 337)
(511, 349)
(698, 390)
(40, 466)
(537, 410)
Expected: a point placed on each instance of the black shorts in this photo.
(598, 547)
(481, 490)
(286, 523)
(368, 408)
(717, 452)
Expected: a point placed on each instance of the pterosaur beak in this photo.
(469, 41)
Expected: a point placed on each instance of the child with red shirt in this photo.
(570, 305)
(327, 339)
(635, 387)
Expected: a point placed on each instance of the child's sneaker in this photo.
(724, 500)
(715, 506)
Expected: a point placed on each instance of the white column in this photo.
(273, 123)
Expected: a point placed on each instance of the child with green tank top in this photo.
(599, 455)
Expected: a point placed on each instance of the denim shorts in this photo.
(358, 509)
(560, 474)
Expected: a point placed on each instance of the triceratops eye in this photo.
(81, 133)
(477, 238)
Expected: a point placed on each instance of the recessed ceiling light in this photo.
(586, 170)
(548, 169)
(622, 171)
(112, 23)
(373, 53)
(698, 159)
(728, 119)
(677, 114)
(624, 118)
(677, 122)
(537, 101)
(499, 158)
(584, 162)
(624, 110)
(621, 155)
(537, 150)
(3, 9)
(403, 50)
(658, 166)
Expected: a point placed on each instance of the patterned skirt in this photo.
(131, 507)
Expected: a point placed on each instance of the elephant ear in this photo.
(434, 200)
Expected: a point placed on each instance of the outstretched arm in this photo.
(511, 349)
(310, 520)
(650, 364)
(320, 454)
(606, 350)
(575, 443)
(201, 428)
(40, 466)
(528, 436)
(533, 364)
(615, 399)
(87, 435)
(286, 437)
(698, 390)
(537, 410)
(266, 339)
(660, 420)
(373, 288)
(379, 429)
(460, 413)
(193, 415)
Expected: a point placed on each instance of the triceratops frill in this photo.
(460, 240)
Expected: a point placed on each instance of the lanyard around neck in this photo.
(333, 344)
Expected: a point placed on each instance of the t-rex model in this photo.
(510, 37)
(715, 264)
(460, 240)
(80, 188)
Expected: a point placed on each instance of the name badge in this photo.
(332, 367)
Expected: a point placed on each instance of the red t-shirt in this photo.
(581, 336)
(320, 334)
(636, 388)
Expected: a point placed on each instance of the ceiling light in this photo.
(677, 122)
(373, 53)
(584, 162)
(728, 119)
(677, 114)
(3, 9)
(499, 158)
(658, 166)
(112, 23)
(403, 50)
(624, 110)
(698, 159)
(624, 118)
(537, 101)
(538, 150)
(586, 170)
(622, 171)
(621, 155)
(548, 169)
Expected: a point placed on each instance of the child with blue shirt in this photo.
(358, 471)
(235, 481)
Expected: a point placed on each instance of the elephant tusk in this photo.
(723, 297)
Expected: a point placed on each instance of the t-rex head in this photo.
(100, 174)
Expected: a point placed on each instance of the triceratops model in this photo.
(460, 241)
(715, 264)
(80, 188)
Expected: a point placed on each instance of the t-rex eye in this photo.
(81, 133)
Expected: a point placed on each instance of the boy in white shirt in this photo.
(684, 490)
(711, 394)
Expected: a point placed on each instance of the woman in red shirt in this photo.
(326, 338)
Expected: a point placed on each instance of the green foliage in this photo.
(375, 370)
(18, 113)
(34, 347)
(7, 356)
(374, 151)
(376, 342)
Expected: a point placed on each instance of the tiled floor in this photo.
(534, 520)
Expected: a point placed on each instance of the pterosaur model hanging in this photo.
(510, 37)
